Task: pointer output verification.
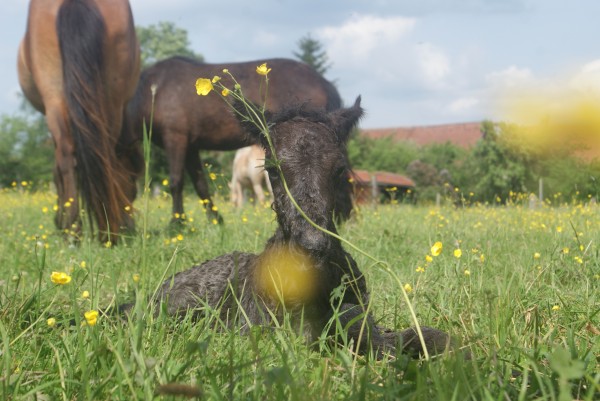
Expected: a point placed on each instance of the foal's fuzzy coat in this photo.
(301, 265)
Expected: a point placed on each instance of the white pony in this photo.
(249, 172)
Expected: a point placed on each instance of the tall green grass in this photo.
(526, 307)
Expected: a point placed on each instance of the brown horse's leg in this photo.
(67, 215)
(193, 165)
(175, 148)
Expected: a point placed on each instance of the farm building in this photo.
(381, 186)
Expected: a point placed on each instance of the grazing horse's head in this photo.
(310, 149)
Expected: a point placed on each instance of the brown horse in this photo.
(183, 122)
(79, 64)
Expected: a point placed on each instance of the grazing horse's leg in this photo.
(193, 165)
(175, 150)
(258, 188)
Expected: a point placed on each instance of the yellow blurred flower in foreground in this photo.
(287, 274)
(91, 317)
(60, 278)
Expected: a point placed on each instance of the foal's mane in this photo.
(301, 111)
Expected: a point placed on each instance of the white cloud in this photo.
(462, 105)
(360, 36)
(510, 78)
(433, 65)
(587, 79)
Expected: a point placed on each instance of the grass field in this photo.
(523, 296)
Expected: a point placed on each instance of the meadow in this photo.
(516, 286)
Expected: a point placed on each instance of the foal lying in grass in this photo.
(301, 264)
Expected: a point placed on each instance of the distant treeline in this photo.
(492, 171)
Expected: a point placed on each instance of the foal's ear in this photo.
(242, 112)
(344, 120)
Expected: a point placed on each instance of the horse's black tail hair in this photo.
(81, 32)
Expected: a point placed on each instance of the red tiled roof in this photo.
(383, 178)
(463, 134)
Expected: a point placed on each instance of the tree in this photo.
(164, 40)
(496, 169)
(26, 150)
(312, 53)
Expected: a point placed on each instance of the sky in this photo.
(414, 62)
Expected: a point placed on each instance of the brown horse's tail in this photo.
(81, 32)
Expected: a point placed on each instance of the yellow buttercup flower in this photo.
(51, 322)
(136, 277)
(428, 259)
(212, 176)
(436, 249)
(216, 79)
(91, 317)
(203, 86)
(60, 278)
(408, 288)
(457, 253)
(225, 92)
(85, 294)
(262, 69)
(556, 308)
(536, 255)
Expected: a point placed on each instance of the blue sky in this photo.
(415, 62)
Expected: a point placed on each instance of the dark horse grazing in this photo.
(184, 122)
(301, 265)
(79, 64)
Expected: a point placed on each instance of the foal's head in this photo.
(310, 149)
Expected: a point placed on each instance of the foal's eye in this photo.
(273, 173)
